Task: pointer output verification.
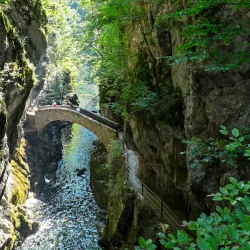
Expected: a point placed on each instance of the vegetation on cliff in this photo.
(17, 188)
(20, 170)
(129, 74)
(21, 67)
(232, 150)
(116, 190)
(136, 47)
(16, 80)
(215, 33)
(132, 55)
(132, 51)
(226, 228)
(64, 50)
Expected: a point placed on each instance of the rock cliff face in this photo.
(17, 22)
(99, 172)
(208, 100)
(29, 19)
(127, 215)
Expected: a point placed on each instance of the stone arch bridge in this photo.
(103, 128)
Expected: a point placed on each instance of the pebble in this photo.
(66, 211)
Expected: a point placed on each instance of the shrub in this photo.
(227, 228)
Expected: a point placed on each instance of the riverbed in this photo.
(66, 210)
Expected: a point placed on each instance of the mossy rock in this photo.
(18, 193)
(22, 223)
(20, 172)
(117, 192)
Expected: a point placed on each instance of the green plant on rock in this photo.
(213, 32)
(164, 105)
(141, 99)
(115, 157)
(146, 244)
(226, 228)
(116, 186)
(233, 149)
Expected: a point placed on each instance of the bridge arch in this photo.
(47, 114)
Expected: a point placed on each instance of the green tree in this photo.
(121, 70)
(211, 39)
(65, 32)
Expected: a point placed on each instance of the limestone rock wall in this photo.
(128, 217)
(99, 174)
(29, 19)
(16, 80)
(112, 193)
(208, 101)
(43, 154)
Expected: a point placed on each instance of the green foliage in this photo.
(105, 38)
(233, 149)
(65, 27)
(121, 71)
(212, 37)
(147, 245)
(58, 88)
(115, 156)
(128, 71)
(140, 99)
(117, 150)
(164, 105)
(227, 228)
(121, 67)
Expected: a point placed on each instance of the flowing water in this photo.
(66, 211)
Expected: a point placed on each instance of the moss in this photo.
(11, 241)
(21, 186)
(115, 206)
(7, 25)
(22, 225)
(19, 192)
(20, 171)
(22, 65)
(117, 183)
(115, 209)
(14, 217)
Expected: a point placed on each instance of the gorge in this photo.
(174, 78)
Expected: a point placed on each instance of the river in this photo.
(66, 210)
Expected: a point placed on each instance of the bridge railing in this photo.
(99, 118)
(161, 209)
(50, 106)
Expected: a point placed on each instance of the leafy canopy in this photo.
(65, 28)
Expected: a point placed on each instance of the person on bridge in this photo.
(53, 104)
